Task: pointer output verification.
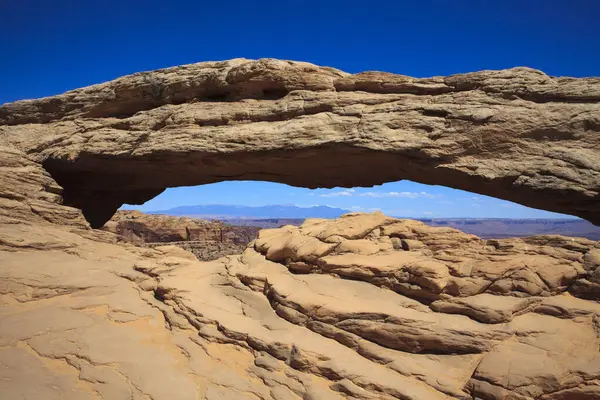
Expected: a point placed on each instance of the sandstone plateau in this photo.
(362, 307)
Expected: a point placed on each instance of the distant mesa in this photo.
(207, 240)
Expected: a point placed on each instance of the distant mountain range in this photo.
(221, 211)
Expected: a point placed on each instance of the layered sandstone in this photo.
(363, 307)
(515, 134)
(207, 240)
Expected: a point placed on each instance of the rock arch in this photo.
(514, 134)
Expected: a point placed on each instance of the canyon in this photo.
(364, 306)
(207, 240)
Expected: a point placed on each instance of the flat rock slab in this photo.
(84, 317)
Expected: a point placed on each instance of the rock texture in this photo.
(516, 134)
(363, 307)
(207, 240)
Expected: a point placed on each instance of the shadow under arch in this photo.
(100, 185)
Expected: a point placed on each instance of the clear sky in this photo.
(49, 47)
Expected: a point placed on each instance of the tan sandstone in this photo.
(516, 134)
(362, 307)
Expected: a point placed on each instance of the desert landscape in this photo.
(95, 305)
(214, 238)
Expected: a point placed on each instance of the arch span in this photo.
(515, 134)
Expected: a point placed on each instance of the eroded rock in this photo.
(363, 307)
(515, 134)
(255, 326)
(208, 240)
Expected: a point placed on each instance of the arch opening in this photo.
(258, 204)
(101, 185)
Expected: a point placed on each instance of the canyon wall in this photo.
(207, 240)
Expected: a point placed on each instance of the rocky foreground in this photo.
(207, 240)
(363, 307)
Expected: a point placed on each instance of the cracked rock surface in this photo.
(362, 307)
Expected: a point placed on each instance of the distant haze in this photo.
(220, 211)
(277, 215)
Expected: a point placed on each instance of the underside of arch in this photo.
(515, 134)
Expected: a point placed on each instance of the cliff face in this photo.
(139, 228)
(362, 307)
(208, 240)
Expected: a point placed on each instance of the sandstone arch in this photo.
(382, 308)
(515, 134)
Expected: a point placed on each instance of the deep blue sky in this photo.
(49, 47)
